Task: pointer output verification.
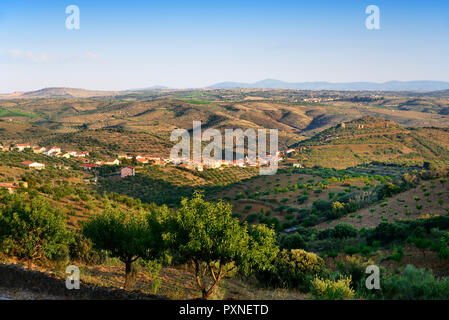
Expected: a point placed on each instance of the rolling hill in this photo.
(353, 86)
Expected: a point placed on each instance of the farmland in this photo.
(364, 181)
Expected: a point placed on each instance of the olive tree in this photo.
(33, 229)
(205, 235)
(127, 234)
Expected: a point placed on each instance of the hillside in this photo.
(296, 114)
(371, 139)
(362, 165)
(66, 93)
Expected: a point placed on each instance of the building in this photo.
(88, 166)
(11, 187)
(33, 165)
(38, 149)
(52, 152)
(81, 154)
(142, 160)
(127, 172)
(112, 162)
(21, 147)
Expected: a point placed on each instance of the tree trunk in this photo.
(127, 275)
(29, 264)
(207, 294)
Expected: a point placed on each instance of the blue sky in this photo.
(136, 44)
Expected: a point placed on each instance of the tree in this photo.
(33, 229)
(207, 236)
(421, 243)
(127, 235)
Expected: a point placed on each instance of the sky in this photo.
(186, 44)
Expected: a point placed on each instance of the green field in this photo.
(15, 113)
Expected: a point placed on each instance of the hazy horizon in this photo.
(121, 46)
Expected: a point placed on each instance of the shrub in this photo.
(443, 250)
(81, 250)
(343, 231)
(351, 250)
(292, 241)
(295, 269)
(354, 267)
(252, 217)
(415, 284)
(333, 290)
(322, 205)
(398, 254)
(33, 231)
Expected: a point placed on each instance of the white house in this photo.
(33, 165)
(21, 146)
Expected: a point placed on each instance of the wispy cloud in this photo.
(29, 56)
(43, 57)
(91, 56)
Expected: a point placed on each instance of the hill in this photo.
(352, 86)
(58, 93)
(372, 139)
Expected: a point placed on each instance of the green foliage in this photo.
(33, 229)
(340, 231)
(398, 254)
(81, 250)
(127, 235)
(388, 190)
(294, 269)
(332, 290)
(354, 267)
(292, 241)
(415, 284)
(443, 251)
(206, 235)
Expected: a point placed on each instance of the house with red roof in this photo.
(21, 146)
(33, 165)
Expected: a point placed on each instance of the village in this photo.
(128, 163)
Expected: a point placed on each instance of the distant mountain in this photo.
(351, 86)
(157, 87)
(434, 88)
(59, 93)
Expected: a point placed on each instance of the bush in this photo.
(344, 231)
(415, 284)
(252, 217)
(302, 199)
(443, 252)
(354, 267)
(294, 269)
(333, 290)
(292, 241)
(322, 205)
(81, 250)
(33, 230)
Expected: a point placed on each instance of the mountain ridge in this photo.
(394, 85)
(425, 86)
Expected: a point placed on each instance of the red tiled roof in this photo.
(8, 185)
